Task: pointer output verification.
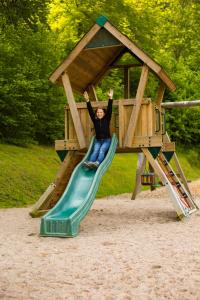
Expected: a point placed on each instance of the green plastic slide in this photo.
(64, 218)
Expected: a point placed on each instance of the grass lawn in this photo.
(27, 172)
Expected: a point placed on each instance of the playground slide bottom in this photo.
(63, 220)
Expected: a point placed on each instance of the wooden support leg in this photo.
(178, 166)
(51, 196)
(92, 93)
(152, 171)
(140, 169)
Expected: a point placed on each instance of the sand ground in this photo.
(125, 250)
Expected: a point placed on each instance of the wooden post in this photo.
(136, 109)
(126, 83)
(151, 170)
(74, 110)
(160, 93)
(140, 169)
(121, 123)
(66, 125)
(92, 93)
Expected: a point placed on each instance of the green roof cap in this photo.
(101, 20)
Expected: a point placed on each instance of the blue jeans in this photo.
(100, 149)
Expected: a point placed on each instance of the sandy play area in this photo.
(125, 250)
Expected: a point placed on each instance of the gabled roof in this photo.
(97, 51)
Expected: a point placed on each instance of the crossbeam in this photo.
(181, 104)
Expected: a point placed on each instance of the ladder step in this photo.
(184, 195)
(171, 173)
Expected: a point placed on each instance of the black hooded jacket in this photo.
(101, 125)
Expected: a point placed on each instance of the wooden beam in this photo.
(52, 194)
(92, 93)
(74, 110)
(69, 144)
(136, 108)
(75, 52)
(66, 125)
(181, 104)
(126, 83)
(160, 94)
(165, 78)
(125, 66)
(126, 102)
(140, 169)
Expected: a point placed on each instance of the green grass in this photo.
(25, 173)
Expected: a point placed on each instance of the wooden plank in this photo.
(75, 52)
(165, 78)
(126, 102)
(80, 73)
(140, 169)
(70, 144)
(74, 110)
(143, 120)
(118, 66)
(141, 55)
(170, 146)
(160, 94)
(146, 141)
(150, 130)
(121, 123)
(93, 56)
(126, 83)
(72, 132)
(66, 124)
(85, 62)
(92, 93)
(83, 116)
(135, 112)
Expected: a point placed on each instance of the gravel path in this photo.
(125, 250)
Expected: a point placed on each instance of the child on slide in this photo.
(101, 120)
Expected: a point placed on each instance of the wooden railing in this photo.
(148, 132)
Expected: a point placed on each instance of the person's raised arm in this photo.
(89, 106)
(110, 102)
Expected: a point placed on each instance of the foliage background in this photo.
(36, 35)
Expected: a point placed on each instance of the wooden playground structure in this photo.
(138, 122)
